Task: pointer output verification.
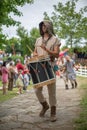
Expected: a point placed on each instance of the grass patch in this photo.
(81, 122)
(11, 94)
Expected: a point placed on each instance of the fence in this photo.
(82, 71)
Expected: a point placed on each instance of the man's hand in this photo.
(43, 47)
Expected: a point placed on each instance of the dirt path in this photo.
(21, 112)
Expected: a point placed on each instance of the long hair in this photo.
(49, 26)
(4, 63)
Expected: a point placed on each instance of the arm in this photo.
(54, 52)
(35, 52)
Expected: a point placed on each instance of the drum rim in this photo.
(47, 82)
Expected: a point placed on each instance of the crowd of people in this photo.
(14, 74)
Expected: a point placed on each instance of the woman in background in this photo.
(4, 77)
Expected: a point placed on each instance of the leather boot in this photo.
(53, 114)
(66, 86)
(45, 107)
(72, 85)
(75, 84)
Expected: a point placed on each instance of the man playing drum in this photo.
(47, 44)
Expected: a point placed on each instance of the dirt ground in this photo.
(21, 112)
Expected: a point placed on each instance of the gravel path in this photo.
(21, 112)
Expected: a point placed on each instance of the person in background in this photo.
(1, 69)
(70, 71)
(19, 65)
(5, 73)
(62, 69)
(25, 79)
(47, 44)
(19, 82)
(11, 76)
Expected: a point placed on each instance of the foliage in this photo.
(14, 58)
(13, 46)
(79, 49)
(69, 24)
(27, 40)
(23, 38)
(24, 44)
(10, 6)
(2, 40)
(34, 34)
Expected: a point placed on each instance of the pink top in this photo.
(4, 74)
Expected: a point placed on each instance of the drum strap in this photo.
(45, 41)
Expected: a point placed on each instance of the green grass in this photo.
(81, 122)
(10, 94)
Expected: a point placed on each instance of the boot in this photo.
(53, 114)
(72, 85)
(66, 86)
(45, 107)
(75, 84)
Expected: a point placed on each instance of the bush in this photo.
(14, 58)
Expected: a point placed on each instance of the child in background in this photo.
(70, 71)
(25, 79)
(19, 82)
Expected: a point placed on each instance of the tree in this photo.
(10, 6)
(34, 34)
(2, 40)
(27, 40)
(23, 38)
(13, 46)
(69, 24)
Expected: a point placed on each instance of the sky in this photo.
(33, 14)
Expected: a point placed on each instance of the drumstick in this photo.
(29, 49)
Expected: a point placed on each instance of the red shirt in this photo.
(19, 66)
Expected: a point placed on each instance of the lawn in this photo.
(81, 122)
(11, 94)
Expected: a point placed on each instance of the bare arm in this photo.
(35, 52)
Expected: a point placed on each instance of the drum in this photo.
(41, 72)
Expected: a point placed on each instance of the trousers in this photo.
(51, 92)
